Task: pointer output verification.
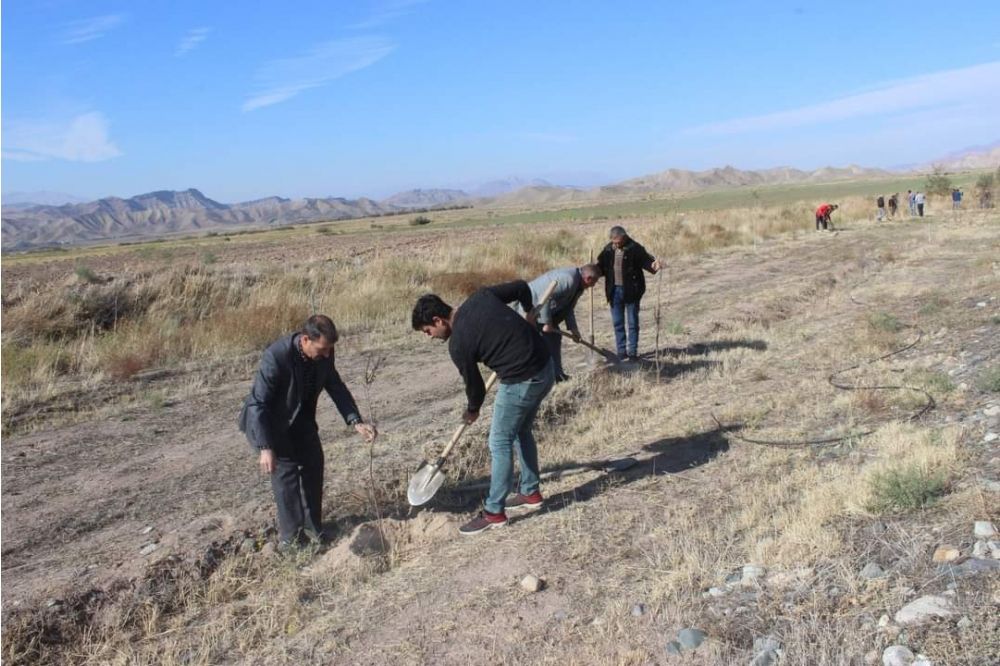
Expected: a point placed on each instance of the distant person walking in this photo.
(484, 330)
(911, 199)
(956, 199)
(622, 261)
(880, 204)
(279, 420)
(893, 205)
(919, 199)
(570, 285)
(823, 221)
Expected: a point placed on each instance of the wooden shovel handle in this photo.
(600, 350)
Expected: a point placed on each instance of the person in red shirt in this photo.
(823, 216)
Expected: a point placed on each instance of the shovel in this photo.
(429, 478)
(608, 356)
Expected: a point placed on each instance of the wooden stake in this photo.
(592, 304)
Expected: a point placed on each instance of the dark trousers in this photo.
(920, 209)
(823, 220)
(554, 342)
(297, 483)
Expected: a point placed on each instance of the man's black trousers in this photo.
(297, 482)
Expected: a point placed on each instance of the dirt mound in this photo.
(385, 544)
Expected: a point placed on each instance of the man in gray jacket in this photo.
(570, 285)
(279, 420)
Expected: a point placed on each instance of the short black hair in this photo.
(617, 232)
(427, 307)
(318, 326)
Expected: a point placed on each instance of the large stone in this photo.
(970, 567)
(984, 529)
(148, 548)
(871, 571)
(752, 575)
(532, 583)
(690, 638)
(766, 644)
(946, 553)
(897, 655)
(765, 658)
(924, 609)
(980, 550)
(674, 649)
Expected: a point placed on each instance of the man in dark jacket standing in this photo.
(279, 419)
(623, 261)
(485, 330)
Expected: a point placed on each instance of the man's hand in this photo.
(531, 317)
(549, 328)
(366, 430)
(657, 265)
(266, 461)
(469, 417)
(575, 334)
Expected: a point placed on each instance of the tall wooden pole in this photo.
(592, 304)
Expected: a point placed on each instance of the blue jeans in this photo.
(514, 413)
(620, 312)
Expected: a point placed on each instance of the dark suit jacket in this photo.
(635, 261)
(276, 397)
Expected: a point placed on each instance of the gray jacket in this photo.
(559, 308)
(275, 399)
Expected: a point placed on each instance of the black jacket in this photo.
(276, 397)
(486, 331)
(636, 260)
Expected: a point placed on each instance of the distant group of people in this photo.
(521, 345)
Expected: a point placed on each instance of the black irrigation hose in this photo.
(831, 379)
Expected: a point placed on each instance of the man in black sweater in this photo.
(484, 330)
(279, 420)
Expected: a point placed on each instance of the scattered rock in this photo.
(871, 571)
(148, 548)
(990, 437)
(897, 655)
(964, 623)
(532, 583)
(248, 545)
(146, 530)
(992, 410)
(980, 550)
(638, 610)
(269, 549)
(884, 621)
(766, 644)
(674, 649)
(871, 658)
(994, 547)
(923, 609)
(751, 575)
(984, 529)
(734, 578)
(946, 553)
(716, 592)
(765, 658)
(970, 567)
(51, 602)
(690, 638)
(921, 660)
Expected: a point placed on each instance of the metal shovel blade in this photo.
(424, 484)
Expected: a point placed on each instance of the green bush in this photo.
(905, 489)
(87, 274)
(420, 220)
(938, 183)
(883, 321)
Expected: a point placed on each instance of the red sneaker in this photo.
(523, 502)
(484, 521)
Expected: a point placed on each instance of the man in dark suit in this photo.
(279, 420)
(623, 261)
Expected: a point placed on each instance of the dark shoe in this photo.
(561, 377)
(632, 358)
(523, 502)
(484, 521)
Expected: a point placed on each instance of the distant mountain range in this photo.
(148, 215)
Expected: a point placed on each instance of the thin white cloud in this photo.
(387, 11)
(84, 138)
(283, 79)
(978, 85)
(191, 40)
(86, 30)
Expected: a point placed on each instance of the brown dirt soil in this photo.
(762, 328)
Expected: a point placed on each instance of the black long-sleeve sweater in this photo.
(485, 330)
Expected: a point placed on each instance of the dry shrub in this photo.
(126, 365)
(465, 283)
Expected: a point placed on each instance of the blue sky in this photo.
(245, 100)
